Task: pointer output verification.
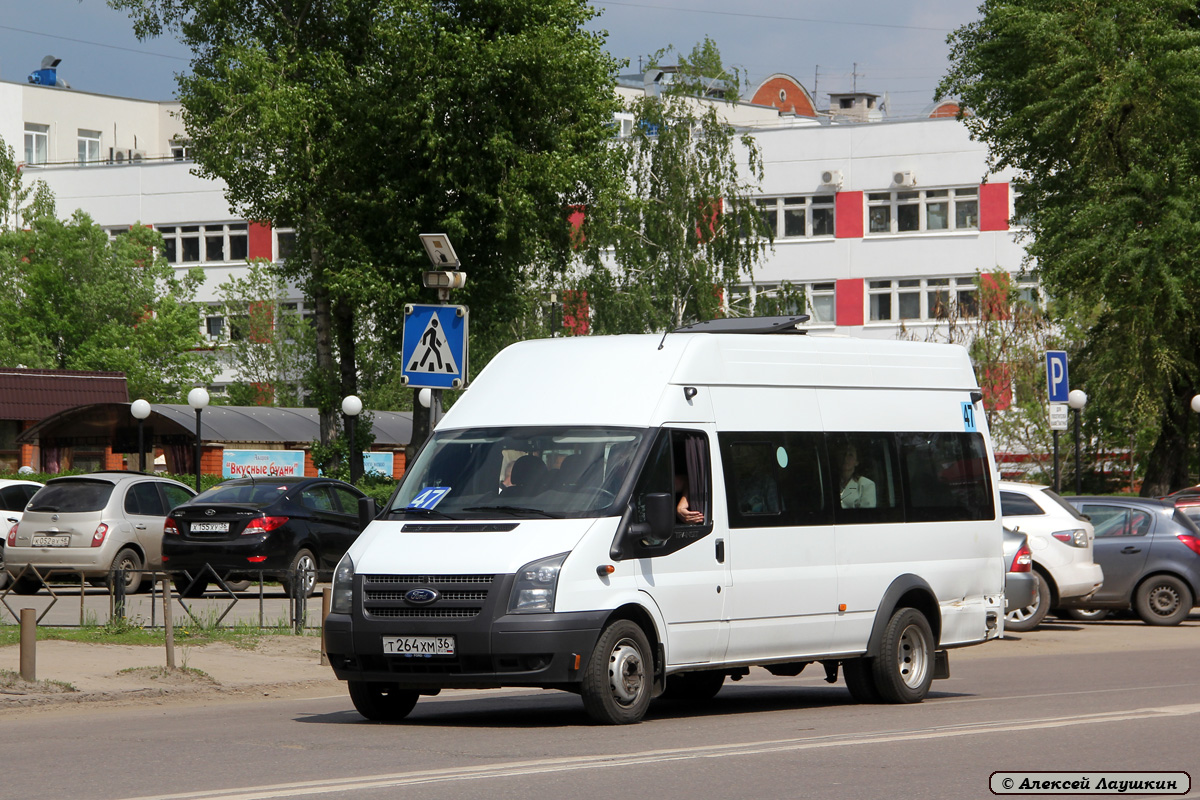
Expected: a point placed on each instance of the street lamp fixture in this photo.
(352, 407)
(140, 410)
(1077, 399)
(198, 399)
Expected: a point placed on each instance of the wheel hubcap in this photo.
(913, 657)
(626, 674)
(1164, 601)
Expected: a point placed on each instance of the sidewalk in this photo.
(277, 665)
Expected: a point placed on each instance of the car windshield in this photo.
(72, 496)
(519, 472)
(254, 493)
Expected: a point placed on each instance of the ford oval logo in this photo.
(420, 597)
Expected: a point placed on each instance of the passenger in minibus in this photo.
(857, 490)
(683, 510)
(528, 472)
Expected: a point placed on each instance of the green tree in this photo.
(264, 341)
(1095, 105)
(670, 245)
(20, 204)
(363, 124)
(74, 299)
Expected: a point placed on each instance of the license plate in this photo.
(51, 541)
(419, 645)
(212, 527)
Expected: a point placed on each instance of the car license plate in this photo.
(51, 541)
(419, 645)
(217, 527)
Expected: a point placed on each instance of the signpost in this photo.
(1058, 388)
(435, 346)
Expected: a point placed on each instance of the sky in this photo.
(893, 49)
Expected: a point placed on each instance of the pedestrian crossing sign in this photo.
(435, 347)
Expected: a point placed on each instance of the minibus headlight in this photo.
(533, 591)
(342, 596)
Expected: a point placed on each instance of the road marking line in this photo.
(567, 764)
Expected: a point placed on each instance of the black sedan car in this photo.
(1150, 552)
(290, 529)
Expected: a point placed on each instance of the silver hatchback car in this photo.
(92, 525)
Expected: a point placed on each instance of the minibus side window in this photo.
(947, 477)
(866, 485)
(679, 466)
(775, 479)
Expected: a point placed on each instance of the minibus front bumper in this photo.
(541, 650)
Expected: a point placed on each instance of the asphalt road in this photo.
(1102, 696)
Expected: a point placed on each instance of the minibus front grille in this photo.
(427, 613)
(416, 581)
(393, 594)
(457, 597)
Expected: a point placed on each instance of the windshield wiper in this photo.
(43, 508)
(409, 510)
(515, 510)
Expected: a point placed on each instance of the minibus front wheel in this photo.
(381, 702)
(618, 680)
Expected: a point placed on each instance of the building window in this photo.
(37, 143)
(914, 211)
(10, 451)
(285, 243)
(89, 147)
(914, 299)
(195, 244)
(214, 326)
(821, 302)
(181, 152)
(798, 216)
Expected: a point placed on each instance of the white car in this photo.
(1061, 540)
(14, 496)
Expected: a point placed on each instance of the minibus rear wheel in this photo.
(860, 680)
(617, 682)
(903, 669)
(381, 702)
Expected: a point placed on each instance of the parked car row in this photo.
(97, 524)
(1096, 555)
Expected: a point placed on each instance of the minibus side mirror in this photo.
(367, 511)
(660, 520)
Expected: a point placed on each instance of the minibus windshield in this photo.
(523, 472)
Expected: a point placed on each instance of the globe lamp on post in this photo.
(1196, 408)
(140, 410)
(1077, 399)
(352, 407)
(198, 399)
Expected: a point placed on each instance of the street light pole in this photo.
(1077, 399)
(198, 399)
(352, 407)
(140, 410)
(1196, 408)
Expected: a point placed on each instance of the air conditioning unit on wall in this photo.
(832, 178)
(904, 179)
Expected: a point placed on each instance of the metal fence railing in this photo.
(272, 600)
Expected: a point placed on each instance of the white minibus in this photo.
(633, 516)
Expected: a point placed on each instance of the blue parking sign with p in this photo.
(1057, 382)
